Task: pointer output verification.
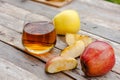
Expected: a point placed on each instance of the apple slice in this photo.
(74, 50)
(72, 38)
(60, 63)
(86, 39)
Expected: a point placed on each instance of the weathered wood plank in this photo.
(52, 3)
(35, 7)
(99, 12)
(89, 26)
(10, 21)
(17, 43)
(14, 38)
(13, 11)
(80, 5)
(17, 24)
(14, 18)
(24, 65)
(17, 12)
(77, 73)
(95, 14)
(94, 21)
(110, 34)
(8, 72)
(5, 38)
(103, 5)
(116, 45)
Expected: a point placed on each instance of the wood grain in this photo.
(9, 31)
(54, 3)
(8, 71)
(12, 37)
(75, 74)
(22, 64)
(10, 14)
(99, 14)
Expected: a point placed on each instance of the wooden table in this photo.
(99, 19)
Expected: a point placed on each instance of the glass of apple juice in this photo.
(38, 37)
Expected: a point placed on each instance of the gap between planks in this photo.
(28, 63)
(17, 44)
(92, 16)
(7, 38)
(9, 71)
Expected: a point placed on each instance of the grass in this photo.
(114, 1)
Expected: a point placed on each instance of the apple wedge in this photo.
(86, 39)
(74, 50)
(72, 38)
(60, 63)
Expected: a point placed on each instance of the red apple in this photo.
(97, 59)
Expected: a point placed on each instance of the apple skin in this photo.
(67, 21)
(97, 59)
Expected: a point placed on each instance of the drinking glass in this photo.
(38, 36)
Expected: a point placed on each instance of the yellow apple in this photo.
(67, 21)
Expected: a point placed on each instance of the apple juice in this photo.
(39, 37)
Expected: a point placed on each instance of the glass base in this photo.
(38, 51)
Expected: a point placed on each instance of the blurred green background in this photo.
(114, 1)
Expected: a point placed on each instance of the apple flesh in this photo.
(74, 50)
(97, 59)
(60, 63)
